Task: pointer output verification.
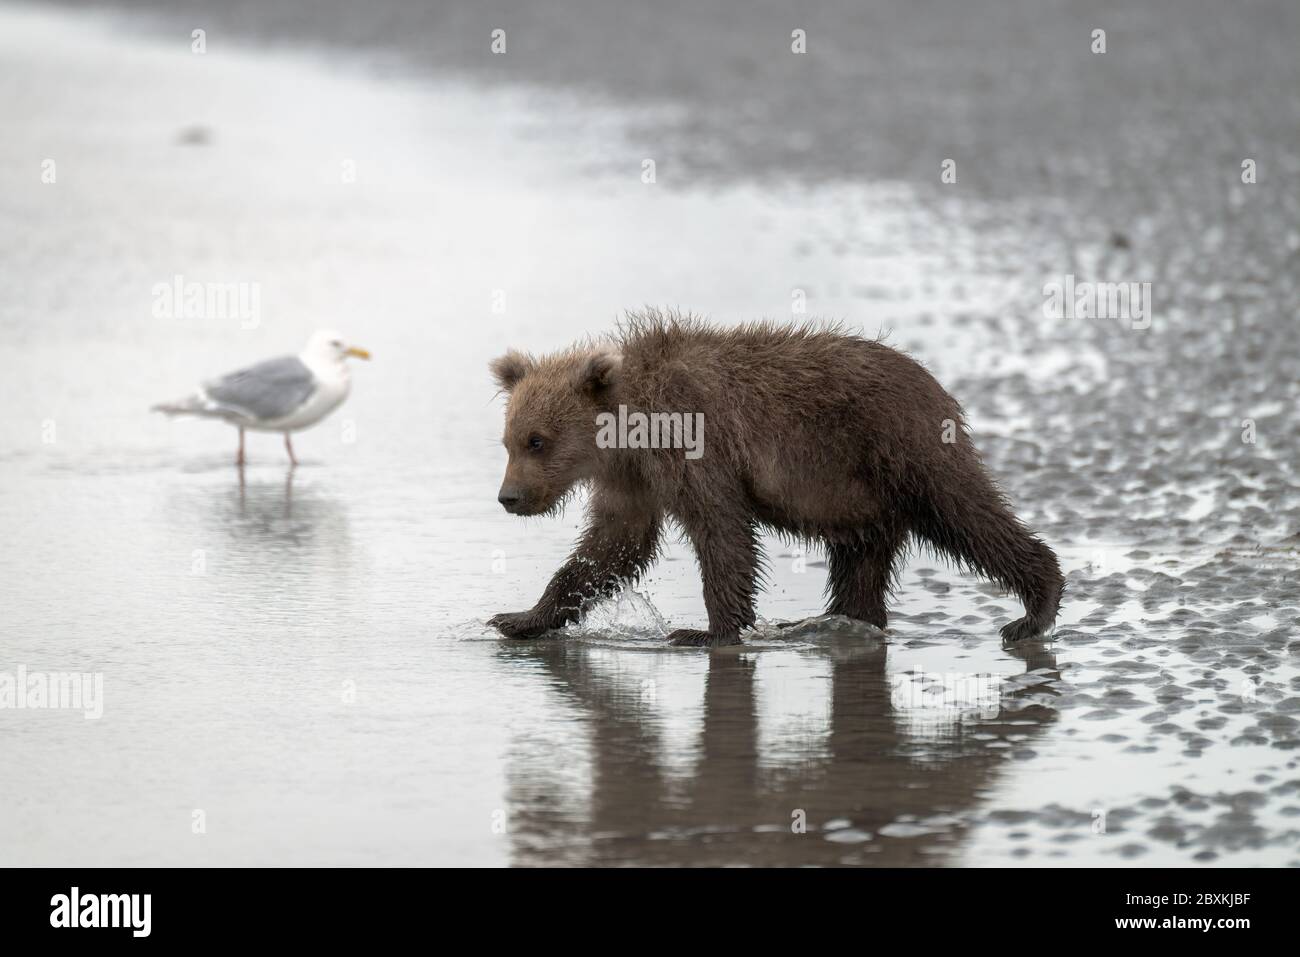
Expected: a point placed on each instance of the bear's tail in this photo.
(972, 523)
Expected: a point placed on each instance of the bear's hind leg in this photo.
(861, 574)
(969, 519)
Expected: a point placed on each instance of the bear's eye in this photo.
(535, 443)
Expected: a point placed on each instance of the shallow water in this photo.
(302, 656)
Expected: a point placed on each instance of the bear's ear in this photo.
(599, 371)
(509, 369)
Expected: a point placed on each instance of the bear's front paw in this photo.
(1022, 629)
(692, 638)
(519, 624)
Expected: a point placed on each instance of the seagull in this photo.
(279, 395)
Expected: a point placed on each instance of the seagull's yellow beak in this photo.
(358, 352)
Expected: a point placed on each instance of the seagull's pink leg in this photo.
(289, 447)
(239, 459)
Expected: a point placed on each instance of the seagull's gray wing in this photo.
(266, 391)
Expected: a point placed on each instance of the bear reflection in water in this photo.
(863, 779)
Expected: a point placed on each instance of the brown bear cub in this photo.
(818, 435)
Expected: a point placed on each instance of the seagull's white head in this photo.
(328, 346)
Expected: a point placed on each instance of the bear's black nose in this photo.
(508, 498)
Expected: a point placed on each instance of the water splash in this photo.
(628, 615)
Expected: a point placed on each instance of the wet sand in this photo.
(1158, 728)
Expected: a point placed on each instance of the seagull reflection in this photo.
(288, 489)
(271, 527)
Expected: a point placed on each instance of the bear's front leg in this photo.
(524, 624)
(616, 547)
(726, 547)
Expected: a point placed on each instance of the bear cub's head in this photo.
(550, 430)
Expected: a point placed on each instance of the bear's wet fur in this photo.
(816, 434)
